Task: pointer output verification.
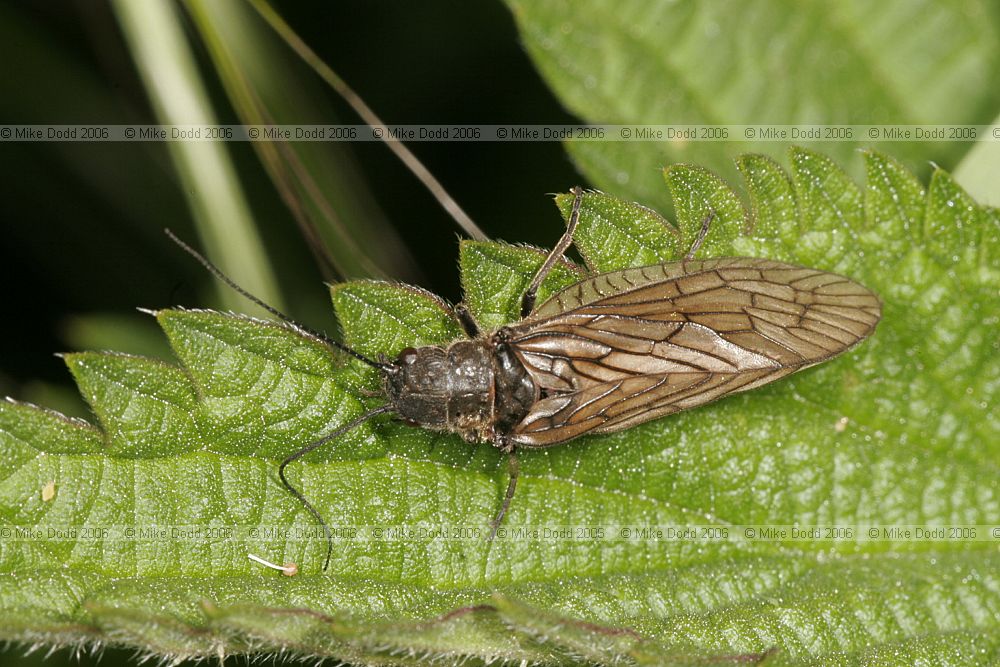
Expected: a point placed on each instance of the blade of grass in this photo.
(317, 180)
(220, 210)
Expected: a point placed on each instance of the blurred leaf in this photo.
(901, 430)
(977, 172)
(135, 334)
(716, 62)
(65, 400)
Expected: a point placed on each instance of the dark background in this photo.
(82, 222)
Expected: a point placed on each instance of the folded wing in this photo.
(622, 348)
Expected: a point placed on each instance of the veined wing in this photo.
(614, 406)
(621, 348)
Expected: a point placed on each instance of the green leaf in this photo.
(383, 318)
(712, 62)
(496, 275)
(621, 228)
(900, 431)
(146, 408)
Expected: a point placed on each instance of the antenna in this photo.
(217, 272)
(308, 448)
(404, 154)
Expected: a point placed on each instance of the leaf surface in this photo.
(901, 431)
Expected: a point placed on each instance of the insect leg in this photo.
(308, 448)
(528, 300)
(467, 321)
(512, 467)
(702, 233)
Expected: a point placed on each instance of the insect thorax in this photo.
(476, 388)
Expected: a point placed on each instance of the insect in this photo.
(612, 351)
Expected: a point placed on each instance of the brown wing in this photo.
(622, 348)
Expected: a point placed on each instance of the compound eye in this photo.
(407, 356)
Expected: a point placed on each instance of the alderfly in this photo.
(612, 351)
